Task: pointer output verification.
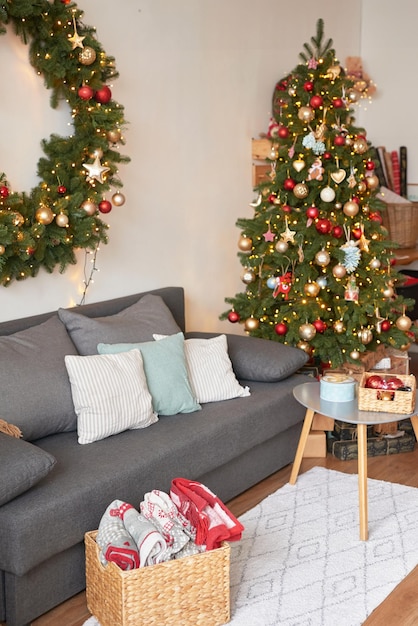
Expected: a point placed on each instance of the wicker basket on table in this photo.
(401, 220)
(190, 591)
(387, 401)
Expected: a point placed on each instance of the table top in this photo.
(308, 395)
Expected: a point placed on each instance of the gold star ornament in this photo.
(96, 170)
(75, 39)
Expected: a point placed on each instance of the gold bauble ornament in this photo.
(375, 263)
(44, 215)
(18, 219)
(372, 182)
(118, 199)
(350, 208)
(61, 220)
(114, 135)
(361, 187)
(298, 164)
(339, 271)
(300, 190)
(304, 345)
(388, 292)
(353, 95)
(403, 322)
(339, 327)
(89, 207)
(307, 332)
(292, 90)
(306, 114)
(322, 258)
(405, 347)
(245, 244)
(2, 249)
(281, 246)
(360, 145)
(355, 355)
(248, 276)
(87, 56)
(20, 236)
(251, 324)
(365, 335)
(312, 289)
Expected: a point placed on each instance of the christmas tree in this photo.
(317, 262)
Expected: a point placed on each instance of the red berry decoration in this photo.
(338, 103)
(339, 140)
(105, 206)
(4, 191)
(385, 326)
(289, 184)
(62, 190)
(316, 102)
(103, 95)
(233, 317)
(283, 132)
(323, 226)
(312, 212)
(280, 328)
(338, 231)
(85, 92)
(308, 86)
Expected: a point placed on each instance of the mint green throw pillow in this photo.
(166, 373)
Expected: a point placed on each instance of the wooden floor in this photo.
(401, 606)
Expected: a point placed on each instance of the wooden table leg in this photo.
(414, 422)
(362, 480)
(301, 445)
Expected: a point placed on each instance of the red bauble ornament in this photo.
(320, 326)
(103, 95)
(338, 231)
(4, 191)
(281, 328)
(338, 103)
(312, 212)
(376, 217)
(316, 102)
(272, 198)
(308, 86)
(283, 132)
(289, 184)
(323, 226)
(233, 317)
(374, 382)
(357, 233)
(65, 1)
(105, 206)
(327, 156)
(385, 326)
(62, 190)
(394, 383)
(85, 92)
(370, 166)
(286, 208)
(339, 140)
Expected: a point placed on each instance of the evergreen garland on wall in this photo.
(43, 228)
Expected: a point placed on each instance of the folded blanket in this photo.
(211, 519)
(158, 508)
(126, 538)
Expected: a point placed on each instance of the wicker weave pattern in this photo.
(403, 401)
(192, 591)
(401, 220)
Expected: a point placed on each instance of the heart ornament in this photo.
(338, 176)
(298, 164)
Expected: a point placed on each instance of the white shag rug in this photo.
(301, 562)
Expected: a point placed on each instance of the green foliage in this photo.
(29, 241)
(317, 226)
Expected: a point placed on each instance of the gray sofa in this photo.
(54, 489)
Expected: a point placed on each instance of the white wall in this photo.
(196, 79)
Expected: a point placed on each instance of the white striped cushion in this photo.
(110, 394)
(210, 369)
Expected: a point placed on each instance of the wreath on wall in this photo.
(61, 214)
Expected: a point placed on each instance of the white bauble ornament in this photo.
(322, 258)
(327, 194)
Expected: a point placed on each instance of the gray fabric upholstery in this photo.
(22, 465)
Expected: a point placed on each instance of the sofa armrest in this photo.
(258, 359)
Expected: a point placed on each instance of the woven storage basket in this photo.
(402, 402)
(401, 220)
(191, 591)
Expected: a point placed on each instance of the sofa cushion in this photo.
(210, 370)
(135, 323)
(110, 394)
(22, 465)
(35, 393)
(166, 373)
(262, 360)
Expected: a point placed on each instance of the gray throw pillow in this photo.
(22, 465)
(34, 387)
(136, 323)
(261, 360)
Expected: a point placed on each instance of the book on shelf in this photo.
(396, 171)
(403, 158)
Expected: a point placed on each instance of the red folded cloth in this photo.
(212, 520)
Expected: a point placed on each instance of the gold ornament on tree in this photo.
(307, 332)
(87, 56)
(300, 191)
(96, 171)
(118, 199)
(365, 335)
(44, 215)
(251, 324)
(62, 220)
(245, 244)
(89, 207)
